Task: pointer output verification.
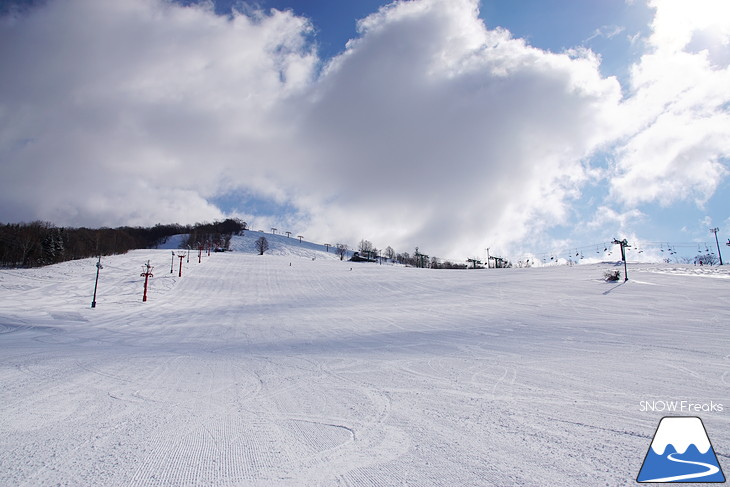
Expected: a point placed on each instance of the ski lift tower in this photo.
(715, 230)
(623, 243)
(420, 259)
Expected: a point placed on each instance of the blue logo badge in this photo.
(680, 452)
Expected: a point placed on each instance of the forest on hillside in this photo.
(42, 243)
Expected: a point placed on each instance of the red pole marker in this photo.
(146, 274)
(179, 274)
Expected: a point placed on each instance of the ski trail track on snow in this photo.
(283, 370)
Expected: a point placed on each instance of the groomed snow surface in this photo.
(295, 368)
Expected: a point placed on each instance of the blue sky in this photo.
(528, 127)
(602, 25)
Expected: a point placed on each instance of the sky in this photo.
(533, 129)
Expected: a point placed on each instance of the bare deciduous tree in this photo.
(365, 246)
(707, 259)
(262, 245)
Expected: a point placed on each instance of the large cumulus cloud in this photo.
(434, 129)
(135, 112)
(429, 129)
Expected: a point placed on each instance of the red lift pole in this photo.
(146, 274)
(179, 273)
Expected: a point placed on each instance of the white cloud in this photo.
(607, 31)
(433, 128)
(607, 217)
(428, 130)
(138, 111)
(677, 117)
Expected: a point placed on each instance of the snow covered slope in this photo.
(278, 245)
(283, 245)
(284, 370)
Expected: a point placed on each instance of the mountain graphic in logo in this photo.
(681, 452)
